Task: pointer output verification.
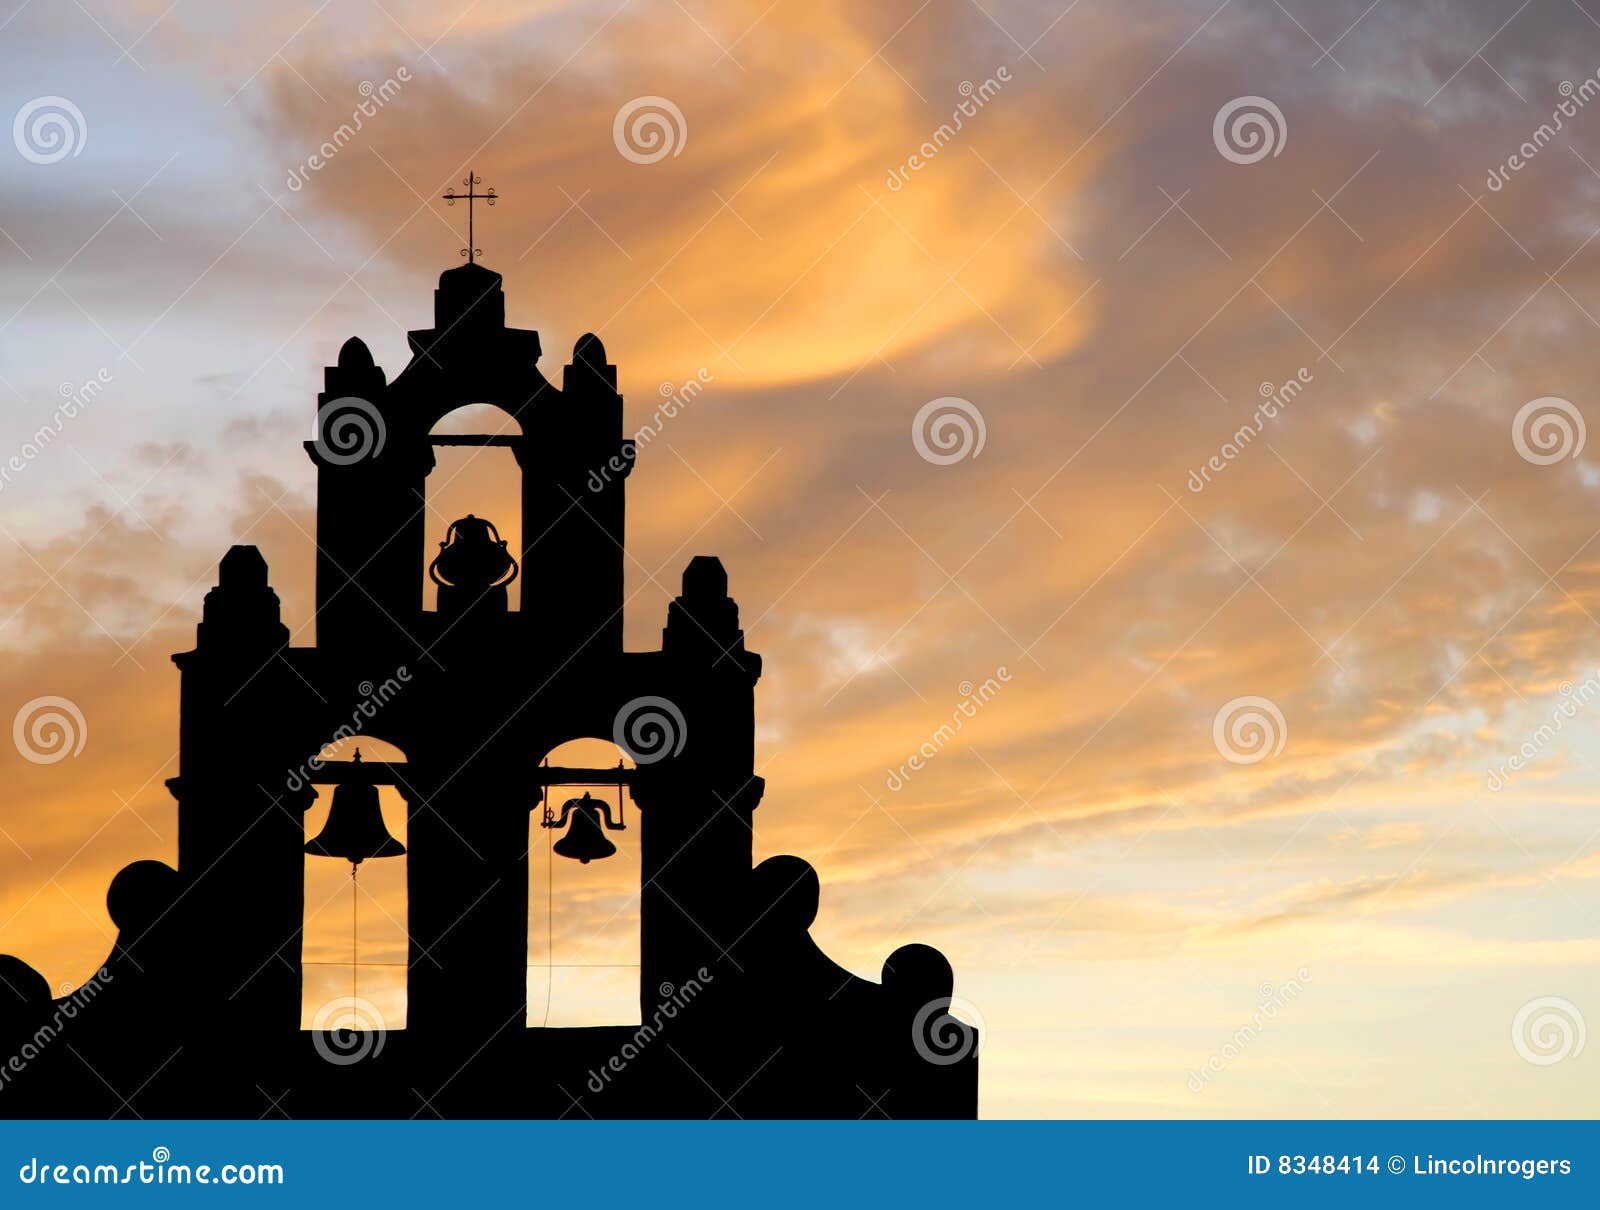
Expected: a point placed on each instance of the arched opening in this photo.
(353, 948)
(476, 472)
(583, 917)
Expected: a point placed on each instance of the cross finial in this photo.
(451, 197)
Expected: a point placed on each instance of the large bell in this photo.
(584, 840)
(472, 565)
(355, 828)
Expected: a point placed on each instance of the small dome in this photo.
(141, 894)
(784, 893)
(354, 355)
(918, 973)
(589, 351)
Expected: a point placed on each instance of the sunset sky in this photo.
(1406, 570)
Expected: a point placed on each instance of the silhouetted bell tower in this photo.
(476, 695)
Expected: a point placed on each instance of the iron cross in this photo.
(451, 197)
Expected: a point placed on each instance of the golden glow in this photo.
(1081, 266)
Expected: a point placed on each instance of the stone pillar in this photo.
(372, 471)
(467, 879)
(240, 805)
(697, 800)
(573, 506)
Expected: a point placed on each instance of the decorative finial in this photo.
(357, 757)
(451, 197)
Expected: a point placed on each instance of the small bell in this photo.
(355, 828)
(584, 841)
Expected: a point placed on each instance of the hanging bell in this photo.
(584, 840)
(355, 828)
(472, 565)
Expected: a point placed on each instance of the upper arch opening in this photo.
(475, 420)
